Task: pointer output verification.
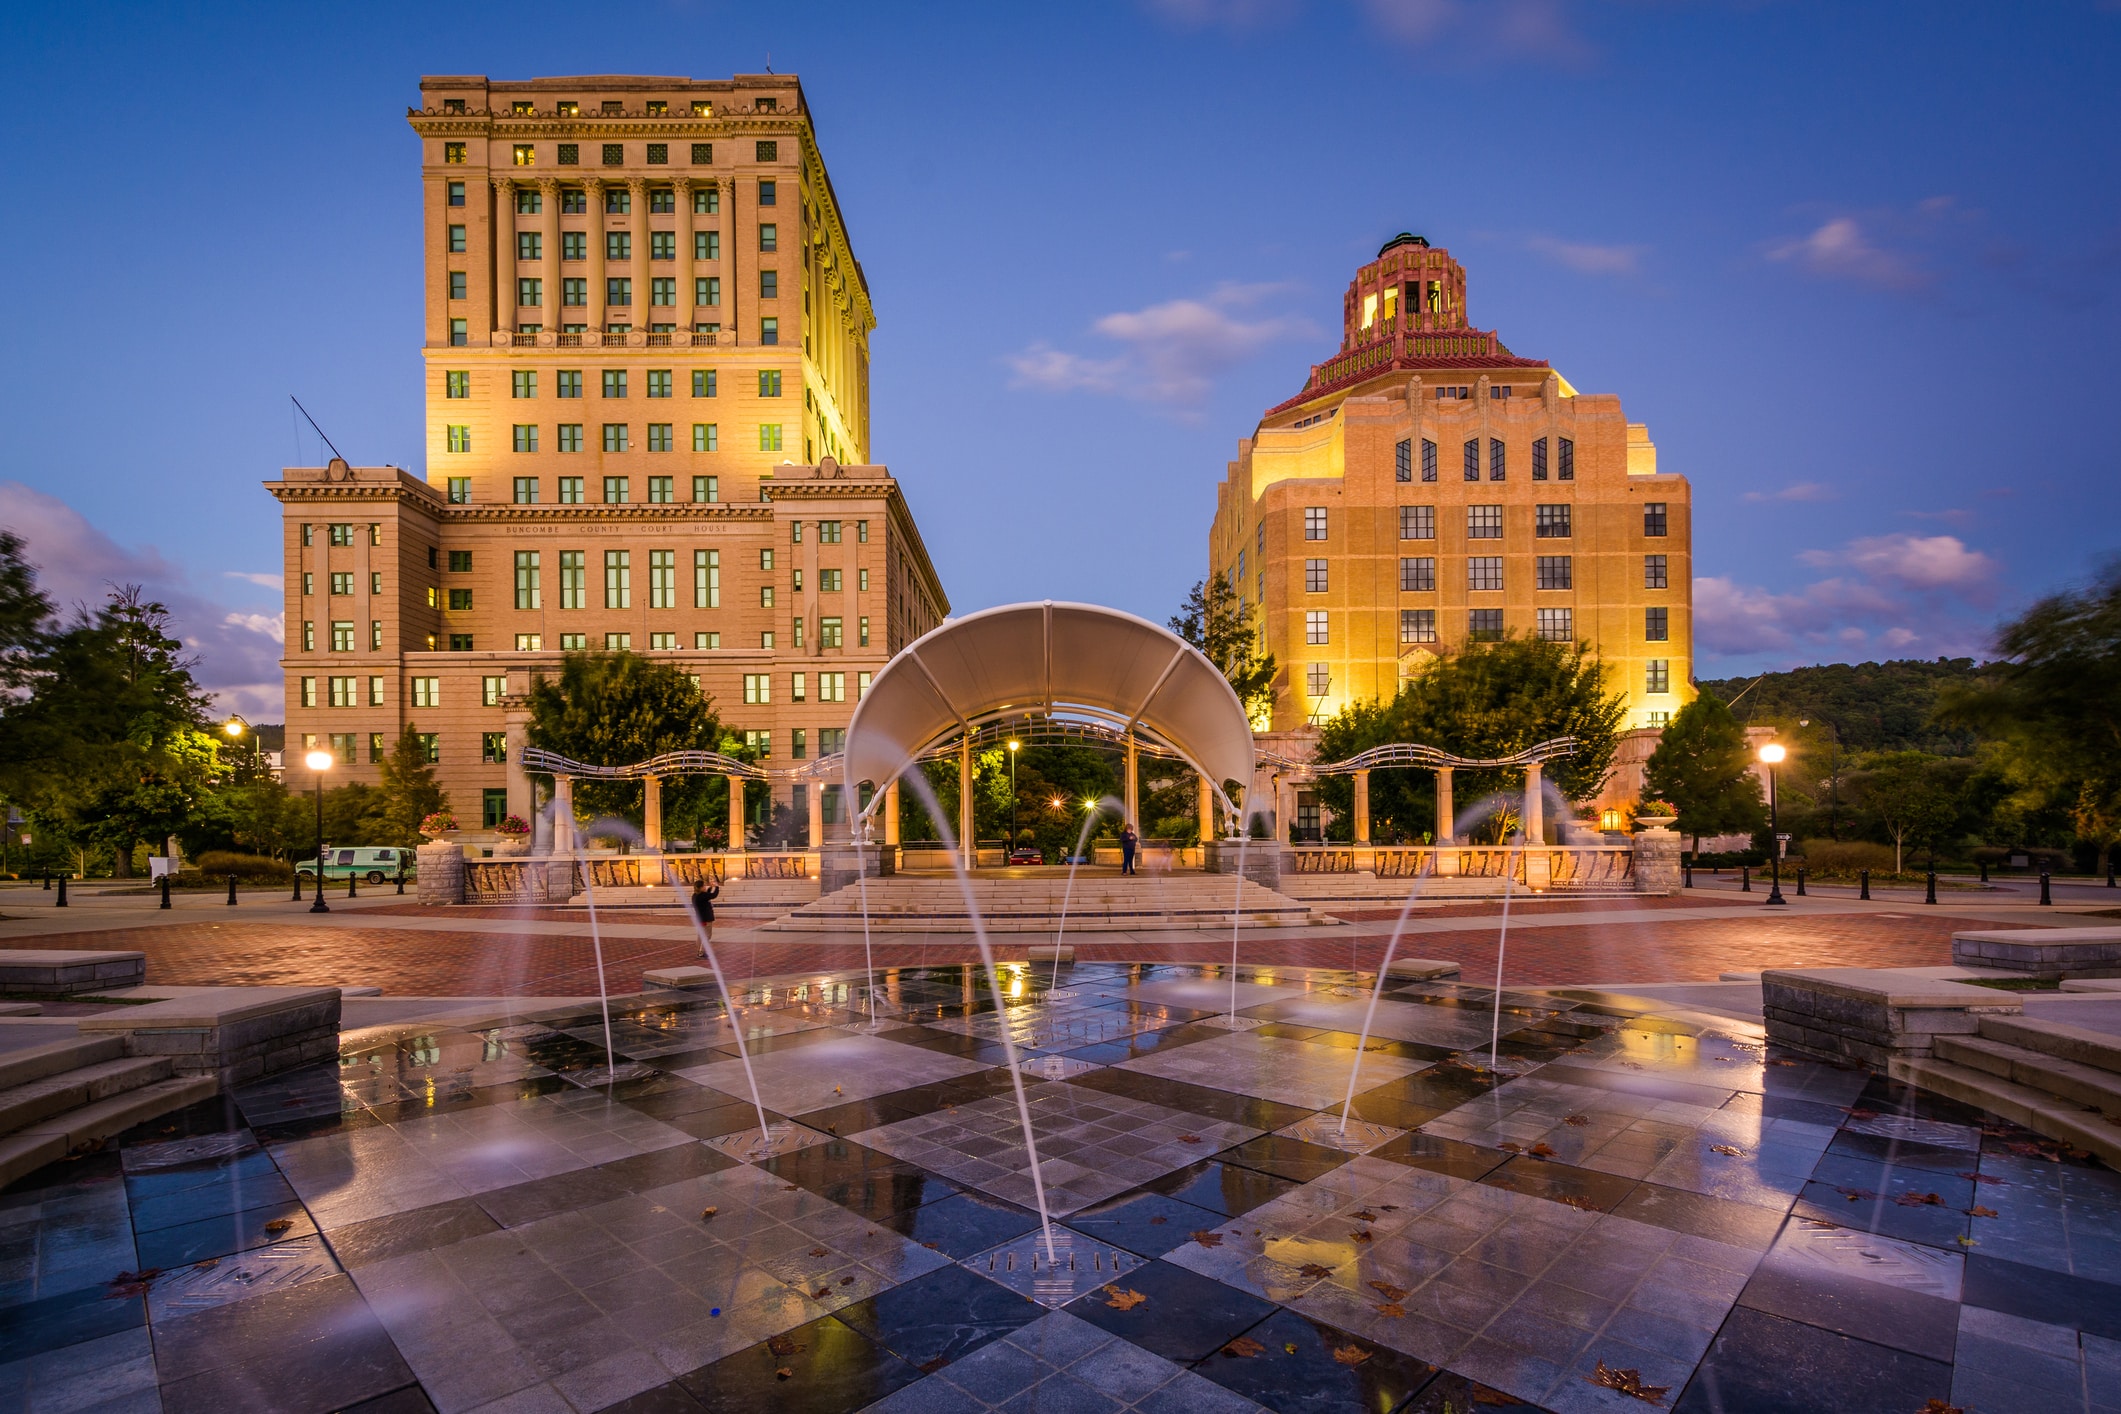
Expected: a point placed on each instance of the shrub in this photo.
(436, 823)
(211, 870)
(1844, 858)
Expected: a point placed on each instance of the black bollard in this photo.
(1864, 878)
(401, 876)
(1930, 894)
(1984, 870)
(62, 892)
(350, 886)
(231, 891)
(2109, 871)
(47, 881)
(1745, 878)
(298, 887)
(2046, 898)
(1800, 882)
(1688, 870)
(164, 881)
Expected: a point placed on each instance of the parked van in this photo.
(374, 865)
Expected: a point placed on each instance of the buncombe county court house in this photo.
(1428, 487)
(647, 363)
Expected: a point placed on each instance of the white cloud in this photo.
(1840, 249)
(238, 651)
(1917, 561)
(263, 581)
(1588, 259)
(1802, 491)
(1539, 29)
(1169, 354)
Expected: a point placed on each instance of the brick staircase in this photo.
(56, 1097)
(1101, 903)
(2056, 1079)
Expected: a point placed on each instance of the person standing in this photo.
(703, 896)
(1129, 841)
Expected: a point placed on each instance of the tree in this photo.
(1890, 706)
(25, 611)
(1703, 766)
(2053, 701)
(1914, 797)
(616, 709)
(1487, 700)
(407, 793)
(1225, 629)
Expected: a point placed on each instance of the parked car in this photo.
(1027, 854)
(374, 865)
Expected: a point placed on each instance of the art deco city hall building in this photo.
(1428, 487)
(647, 365)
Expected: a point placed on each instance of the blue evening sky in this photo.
(1856, 265)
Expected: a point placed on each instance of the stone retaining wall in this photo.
(1872, 1016)
(236, 1033)
(2042, 952)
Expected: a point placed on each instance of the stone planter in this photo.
(441, 872)
(1656, 822)
(511, 847)
(1656, 860)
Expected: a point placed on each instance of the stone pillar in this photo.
(1362, 807)
(522, 798)
(504, 294)
(563, 817)
(1534, 807)
(890, 809)
(966, 847)
(1444, 809)
(1134, 783)
(652, 813)
(637, 269)
(1207, 811)
(682, 188)
(440, 868)
(554, 313)
(1284, 809)
(814, 798)
(736, 814)
(1656, 861)
(593, 191)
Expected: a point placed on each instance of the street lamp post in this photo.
(235, 727)
(1772, 754)
(1012, 802)
(319, 762)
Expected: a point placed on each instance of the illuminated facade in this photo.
(1428, 487)
(647, 388)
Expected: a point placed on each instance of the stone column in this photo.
(593, 192)
(682, 186)
(966, 848)
(890, 809)
(522, 799)
(652, 813)
(736, 814)
(637, 270)
(1134, 783)
(1362, 807)
(1207, 811)
(1444, 809)
(504, 295)
(815, 799)
(1284, 809)
(1534, 807)
(555, 313)
(563, 817)
(1656, 860)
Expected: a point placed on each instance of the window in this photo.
(828, 532)
(453, 151)
(342, 746)
(1472, 459)
(829, 633)
(769, 382)
(456, 193)
(375, 692)
(769, 436)
(662, 490)
(568, 382)
(1660, 719)
(460, 562)
(659, 440)
(614, 441)
(1417, 625)
(309, 636)
(459, 601)
(1483, 522)
(574, 642)
(574, 580)
(459, 287)
(1496, 468)
(615, 156)
(769, 284)
(1417, 574)
(1539, 459)
(491, 689)
(766, 556)
(493, 751)
(1428, 460)
(707, 290)
(618, 579)
(1557, 625)
(706, 579)
(526, 154)
(1567, 470)
(525, 438)
(523, 383)
(344, 692)
(341, 583)
(1318, 679)
(662, 641)
(702, 154)
(769, 331)
(1657, 625)
(1314, 576)
(758, 688)
(768, 151)
(571, 486)
(796, 688)
(456, 240)
(456, 383)
(707, 640)
(1653, 518)
(1417, 522)
(1484, 572)
(828, 581)
(309, 584)
(375, 635)
(530, 292)
(865, 626)
(1403, 460)
(769, 236)
(309, 692)
(1484, 625)
(1551, 522)
(618, 292)
(659, 155)
(459, 435)
(1553, 572)
(308, 532)
(527, 595)
(526, 489)
(861, 535)
(375, 581)
(1314, 522)
(615, 491)
(832, 687)
(618, 642)
(460, 490)
(426, 692)
(707, 245)
(663, 290)
(663, 580)
(1315, 626)
(1657, 676)
(530, 642)
(658, 383)
(529, 202)
(759, 741)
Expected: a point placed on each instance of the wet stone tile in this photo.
(1765, 1363)
(1177, 1314)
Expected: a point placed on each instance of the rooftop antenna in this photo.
(1747, 688)
(319, 431)
(769, 61)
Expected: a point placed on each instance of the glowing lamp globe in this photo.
(318, 760)
(1772, 753)
(232, 727)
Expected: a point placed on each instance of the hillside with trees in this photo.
(1890, 706)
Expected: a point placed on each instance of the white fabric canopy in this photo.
(1065, 659)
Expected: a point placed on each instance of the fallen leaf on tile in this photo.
(821, 1293)
(817, 1251)
(790, 1187)
(784, 1373)
(134, 1283)
(1314, 1271)
(1858, 1112)
(1350, 1354)
(279, 1225)
(1510, 1146)
(1360, 1235)
(1541, 1150)
(1244, 1347)
(1364, 1216)
(1158, 1221)
(1120, 1300)
(1392, 1309)
(1977, 1211)
(1782, 1062)
(1627, 1382)
(1732, 1150)
(782, 1346)
(1208, 1239)
(206, 1266)
(1289, 1347)
(933, 1246)
(1580, 1203)
(1388, 1291)
(1938, 1406)
(1984, 1178)
(1189, 1138)
(1389, 1207)
(706, 1213)
(1855, 1195)
(1919, 1200)
(1969, 1241)
(1577, 1121)
(846, 1281)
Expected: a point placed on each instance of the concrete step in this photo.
(2099, 1049)
(2021, 1104)
(2084, 1085)
(35, 1062)
(49, 1140)
(23, 1105)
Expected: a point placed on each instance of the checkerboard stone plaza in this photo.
(476, 1215)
